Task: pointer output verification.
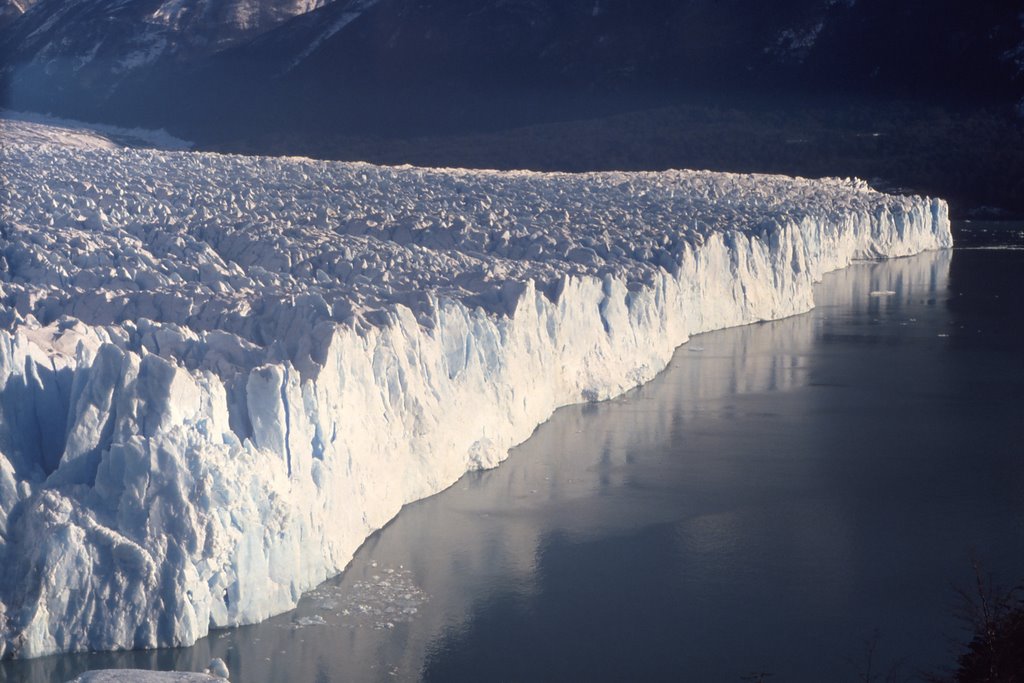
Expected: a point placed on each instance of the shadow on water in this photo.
(776, 496)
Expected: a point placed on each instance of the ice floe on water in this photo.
(383, 598)
(219, 374)
(217, 672)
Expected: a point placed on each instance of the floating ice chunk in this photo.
(143, 676)
(218, 668)
(314, 620)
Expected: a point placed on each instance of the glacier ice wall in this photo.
(219, 374)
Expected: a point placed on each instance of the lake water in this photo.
(797, 497)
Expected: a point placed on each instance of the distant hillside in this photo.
(71, 56)
(470, 64)
(378, 77)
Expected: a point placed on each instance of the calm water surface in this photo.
(785, 497)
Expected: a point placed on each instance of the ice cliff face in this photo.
(219, 374)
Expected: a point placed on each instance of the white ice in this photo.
(143, 676)
(219, 374)
(216, 672)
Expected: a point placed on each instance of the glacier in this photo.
(219, 374)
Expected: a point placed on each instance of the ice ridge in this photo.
(219, 374)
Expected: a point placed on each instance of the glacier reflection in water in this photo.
(780, 492)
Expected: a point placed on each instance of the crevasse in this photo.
(219, 375)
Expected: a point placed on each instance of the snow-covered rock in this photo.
(219, 374)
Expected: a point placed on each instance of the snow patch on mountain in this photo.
(232, 16)
(353, 10)
(15, 6)
(795, 44)
(219, 374)
(1016, 54)
(98, 42)
(152, 46)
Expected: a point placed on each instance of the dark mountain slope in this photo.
(434, 65)
(936, 83)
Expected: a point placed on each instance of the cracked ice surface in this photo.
(219, 374)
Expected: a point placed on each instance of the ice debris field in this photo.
(219, 374)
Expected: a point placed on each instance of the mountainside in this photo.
(12, 9)
(431, 64)
(907, 44)
(58, 54)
